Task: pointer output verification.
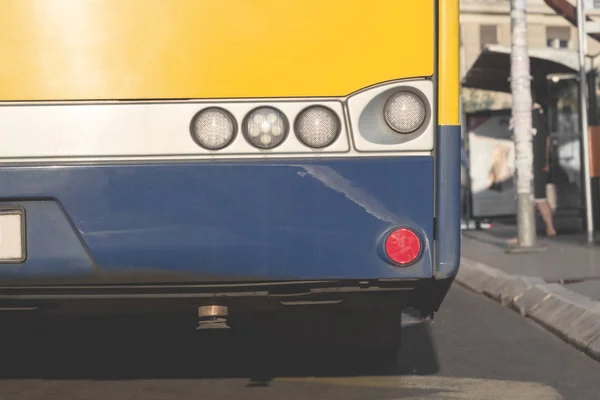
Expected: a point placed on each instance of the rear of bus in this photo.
(239, 155)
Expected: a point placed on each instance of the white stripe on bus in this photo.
(150, 131)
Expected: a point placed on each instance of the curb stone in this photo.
(532, 296)
(573, 317)
(557, 315)
(585, 331)
(593, 348)
(515, 287)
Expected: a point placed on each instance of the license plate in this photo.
(12, 238)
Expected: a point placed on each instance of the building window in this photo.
(558, 37)
(488, 34)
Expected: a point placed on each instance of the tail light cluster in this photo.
(316, 126)
(266, 127)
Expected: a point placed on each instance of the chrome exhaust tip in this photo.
(212, 317)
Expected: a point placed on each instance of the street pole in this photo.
(521, 115)
(583, 116)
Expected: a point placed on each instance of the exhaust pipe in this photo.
(213, 317)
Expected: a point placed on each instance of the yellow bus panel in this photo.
(155, 49)
(448, 63)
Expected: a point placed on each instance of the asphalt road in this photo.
(474, 349)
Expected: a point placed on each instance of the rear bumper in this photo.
(425, 295)
(225, 221)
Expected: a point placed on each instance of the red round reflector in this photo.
(402, 246)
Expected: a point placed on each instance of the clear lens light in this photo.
(213, 128)
(265, 127)
(405, 112)
(317, 126)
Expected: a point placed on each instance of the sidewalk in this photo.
(558, 288)
(567, 260)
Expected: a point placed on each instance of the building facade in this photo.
(485, 22)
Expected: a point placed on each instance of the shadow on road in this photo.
(167, 348)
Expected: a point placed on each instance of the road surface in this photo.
(474, 349)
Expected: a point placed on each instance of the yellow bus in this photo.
(222, 158)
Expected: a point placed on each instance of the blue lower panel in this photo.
(221, 221)
(448, 199)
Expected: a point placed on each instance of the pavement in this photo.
(567, 258)
(559, 287)
(474, 349)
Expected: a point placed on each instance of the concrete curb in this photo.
(571, 316)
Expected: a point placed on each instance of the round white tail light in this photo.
(405, 112)
(213, 128)
(265, 127)
(317, 127)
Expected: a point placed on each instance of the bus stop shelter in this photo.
(554, 74)
(491, 70)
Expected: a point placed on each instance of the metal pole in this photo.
(521, 114)
(584, 120)
(593, 106)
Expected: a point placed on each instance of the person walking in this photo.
(541, 168)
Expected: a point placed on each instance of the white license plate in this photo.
(12, 246)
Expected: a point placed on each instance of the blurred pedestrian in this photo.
(541, 168)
